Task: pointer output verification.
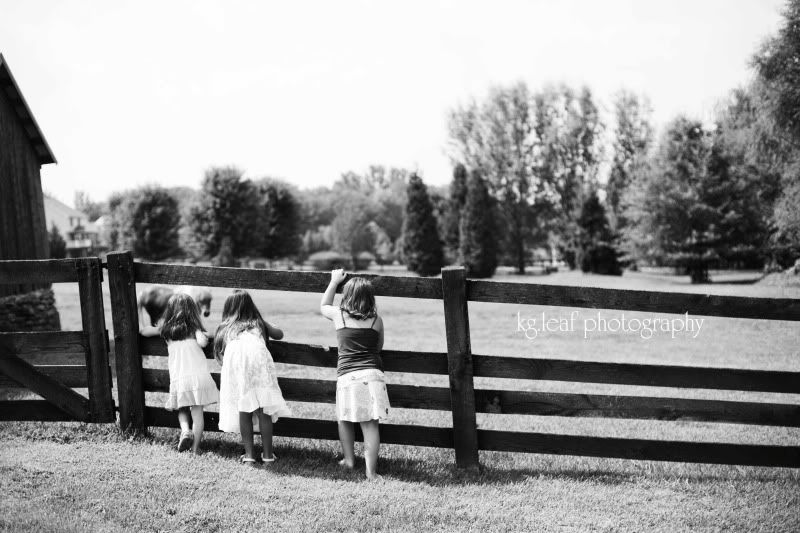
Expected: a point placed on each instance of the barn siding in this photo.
(23, 234)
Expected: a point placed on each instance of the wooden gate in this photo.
(55, 382)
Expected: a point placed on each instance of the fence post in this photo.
(459, 367)
(126, 341)
(90, 287)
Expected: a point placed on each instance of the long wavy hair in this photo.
(239, 314)
(181, 318)
(358, 299)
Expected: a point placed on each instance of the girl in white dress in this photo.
(249, 390)
(190, 384)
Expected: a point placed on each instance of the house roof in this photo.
(11, 89)
(58, 214)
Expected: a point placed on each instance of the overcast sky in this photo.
(129, 93)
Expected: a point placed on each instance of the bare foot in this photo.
(344, 464)
(375, 478)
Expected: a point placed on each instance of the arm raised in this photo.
(326, 306)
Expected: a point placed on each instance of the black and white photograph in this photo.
(424, 266)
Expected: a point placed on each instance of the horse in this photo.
(152, 301)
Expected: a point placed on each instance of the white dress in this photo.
(248, 381)
(190, 382)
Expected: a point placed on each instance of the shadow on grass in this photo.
(319, 459)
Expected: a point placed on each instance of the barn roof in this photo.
(9, 86)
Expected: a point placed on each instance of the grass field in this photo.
(78, 477)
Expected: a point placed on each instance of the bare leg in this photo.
(372, 442)
(347, 436)
(265, 424)
(198, 424)
(246, 427)
(184, 420)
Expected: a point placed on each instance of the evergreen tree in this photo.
(597, 253)
(422, 246)
(455, 204)
(58, 246)
(478, 230)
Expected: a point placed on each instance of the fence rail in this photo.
(55, 383)
(461, 366)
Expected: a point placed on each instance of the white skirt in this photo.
(361, 396)
(248, 382)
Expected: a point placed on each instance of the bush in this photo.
(363, 260)
(328, 260)
(601, 259)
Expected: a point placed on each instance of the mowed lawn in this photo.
(79, 477)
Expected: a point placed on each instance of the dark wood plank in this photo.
(636, 374)
(126, 341)
(631, 300)
(322, 356)
(323, 429)
(652, 450)
(638, 407)
(279, 280)
(73, 376)
(66, 399)
(324, 391)
(459, 364)
(38, 271)
(90, 293)
(43, 342)
(31, 410)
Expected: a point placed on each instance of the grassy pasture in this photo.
(90, 477)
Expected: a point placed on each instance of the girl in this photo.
(248, 383)
(360, 387)
(190, 384)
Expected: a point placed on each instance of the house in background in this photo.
(82, 236)
(23, 150)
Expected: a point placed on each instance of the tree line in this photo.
(535, 171)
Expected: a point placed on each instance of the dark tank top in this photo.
(358, 348)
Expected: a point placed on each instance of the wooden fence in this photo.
(55, 383)
(461, 366)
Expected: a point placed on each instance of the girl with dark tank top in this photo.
(360, 386)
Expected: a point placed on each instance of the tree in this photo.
(280, 219)
(422, 246)
(597, 253)
(146, 220)
(455, 204)
(633, 137)
(350, 229)
(228, 207)
(676, 210)
(778, 66)
(93, 210)
(154, 223)
(499, 139)
(478, 231)
(569, 128)
(58, 246)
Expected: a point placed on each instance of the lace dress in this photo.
(190, 382)
(248, 381)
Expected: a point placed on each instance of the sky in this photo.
(146, 92)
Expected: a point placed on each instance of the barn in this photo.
(23, 150)
(23, 231)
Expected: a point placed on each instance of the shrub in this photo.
(328, 260)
